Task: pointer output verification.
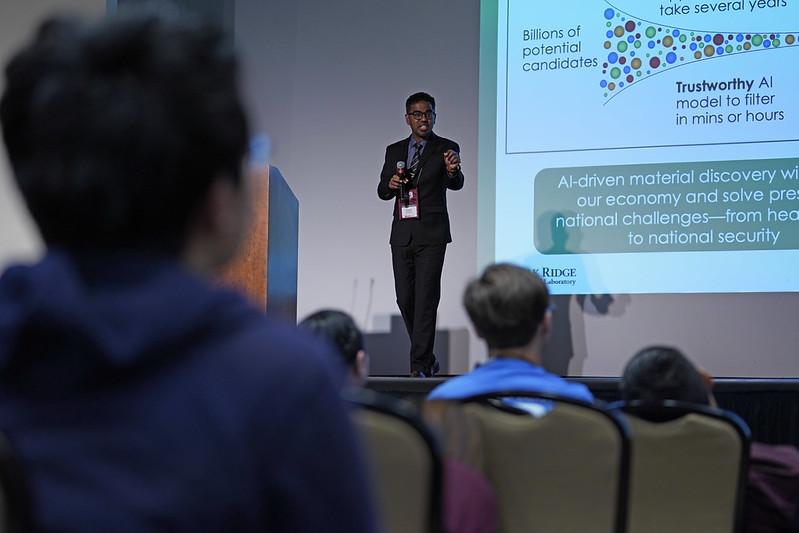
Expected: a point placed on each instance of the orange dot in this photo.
(636, 63)
(668, 41)
(607, 44)
(698, 54)
(709, 50)
(747, 46)
(611, 86)
(790, 39)
(618, 31)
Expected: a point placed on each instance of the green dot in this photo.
(622, 46)
(650, 32)
(728, 49)
(683, 38)
(775, 42)
(738, 47)
(638, 73)
(608, 24)
(757, 40)
(615, 72)
(637, 44)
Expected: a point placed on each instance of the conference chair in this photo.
(404, 463)
(689, 468)
(14, 500)
(563, 469)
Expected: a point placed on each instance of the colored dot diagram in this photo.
(637, 49)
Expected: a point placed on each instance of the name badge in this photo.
(409, 204)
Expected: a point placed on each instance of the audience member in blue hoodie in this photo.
(509, 309)
(137, 396)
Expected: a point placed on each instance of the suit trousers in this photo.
(417, 281)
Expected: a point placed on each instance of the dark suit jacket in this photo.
(432, 226)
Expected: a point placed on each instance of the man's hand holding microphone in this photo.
(399, 178)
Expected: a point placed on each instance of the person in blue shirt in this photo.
(509, 308)
(137, 395)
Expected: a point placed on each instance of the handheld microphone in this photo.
(401, 174)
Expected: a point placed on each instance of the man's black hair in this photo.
(419, 97)
(340, 329)
(506, 304)
(659, 373)
(115, 129)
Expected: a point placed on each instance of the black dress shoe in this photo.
(430, 372)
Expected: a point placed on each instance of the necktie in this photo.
(415, 159)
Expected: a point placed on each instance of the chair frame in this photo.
(668, 410)
(405, 412)
(622, 495)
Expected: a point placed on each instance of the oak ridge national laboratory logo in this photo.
(557, 276)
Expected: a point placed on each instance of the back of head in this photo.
(659, 373)
(340, 329)
(506, 305)
(117, 128)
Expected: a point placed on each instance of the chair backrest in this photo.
(689, 466)
(458, 434)
(15, 511)
(564, 471)
(404, 463)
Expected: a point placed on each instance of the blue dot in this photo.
(632, 54)
(609, 34)
(649, 72)
(613, 57)
(693, 46)
(671, 57)
(739, 37)
(766, 44)
(720, 50)
(630, 38)
(707, 38)
(621, 84)
(651, 44)
(609, 13)
(603, 83)
(626, 70)
(676, 33)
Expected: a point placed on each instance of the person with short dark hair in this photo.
(340, 329)
(138, 396)
(508, 306)
(659, 373)
(420, 228)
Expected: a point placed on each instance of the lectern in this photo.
(265, 268)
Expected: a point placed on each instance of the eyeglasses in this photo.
(417, 115)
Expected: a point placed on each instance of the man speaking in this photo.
(416, 174)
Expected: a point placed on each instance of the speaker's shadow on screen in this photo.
(567, 350)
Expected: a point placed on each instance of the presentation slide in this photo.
(646, 146)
